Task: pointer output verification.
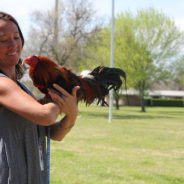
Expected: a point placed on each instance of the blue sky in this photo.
(21, 9)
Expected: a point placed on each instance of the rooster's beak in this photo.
(24, 62)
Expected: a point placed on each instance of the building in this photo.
(131, 97)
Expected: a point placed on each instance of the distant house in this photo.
(131, 97)
(166, 94)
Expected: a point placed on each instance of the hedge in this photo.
(167, 102)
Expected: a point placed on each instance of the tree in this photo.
(153, 42)
(75, 25)
(94, 52)
(145, 45)
(178, 72)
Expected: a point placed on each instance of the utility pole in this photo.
(56, 23)
(111, 62)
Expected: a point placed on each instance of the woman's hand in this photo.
(67, 102)
(68, 105)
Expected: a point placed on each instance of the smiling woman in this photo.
(10, 45)
(23, 120)
(5, 38)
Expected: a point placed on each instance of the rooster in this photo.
(95, 85)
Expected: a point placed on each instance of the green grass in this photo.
(136, 148)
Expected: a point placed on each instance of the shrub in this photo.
(167, 102)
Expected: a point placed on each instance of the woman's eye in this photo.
(17, 37)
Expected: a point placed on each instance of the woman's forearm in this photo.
(60, 129)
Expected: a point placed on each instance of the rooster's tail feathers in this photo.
(101, 80)
(110, 78)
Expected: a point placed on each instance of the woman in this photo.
(22, 118)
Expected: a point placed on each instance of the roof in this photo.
(170, 93)
(167, 93)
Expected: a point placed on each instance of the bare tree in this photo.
(76, 25)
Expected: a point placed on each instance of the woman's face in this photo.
(10, 44)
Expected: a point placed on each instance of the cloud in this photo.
(179, 23)
(22, 9)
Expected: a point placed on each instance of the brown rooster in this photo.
(95, 85)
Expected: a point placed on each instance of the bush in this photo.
(147, 102)
(167, 102)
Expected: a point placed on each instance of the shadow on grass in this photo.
(118, 116)
(172, 112)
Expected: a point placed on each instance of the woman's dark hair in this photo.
(19, 68)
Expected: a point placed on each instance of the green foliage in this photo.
(136, 148)
(178, 72)
(167, 102)
(145, 45)
(97, 52)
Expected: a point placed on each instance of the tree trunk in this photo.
(141, 91)
(142, 105)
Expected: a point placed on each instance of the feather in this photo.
(93, 85)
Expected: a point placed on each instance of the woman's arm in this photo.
(68, 105)
(15, 99)
(61, 128)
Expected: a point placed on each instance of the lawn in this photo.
(136, 148)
